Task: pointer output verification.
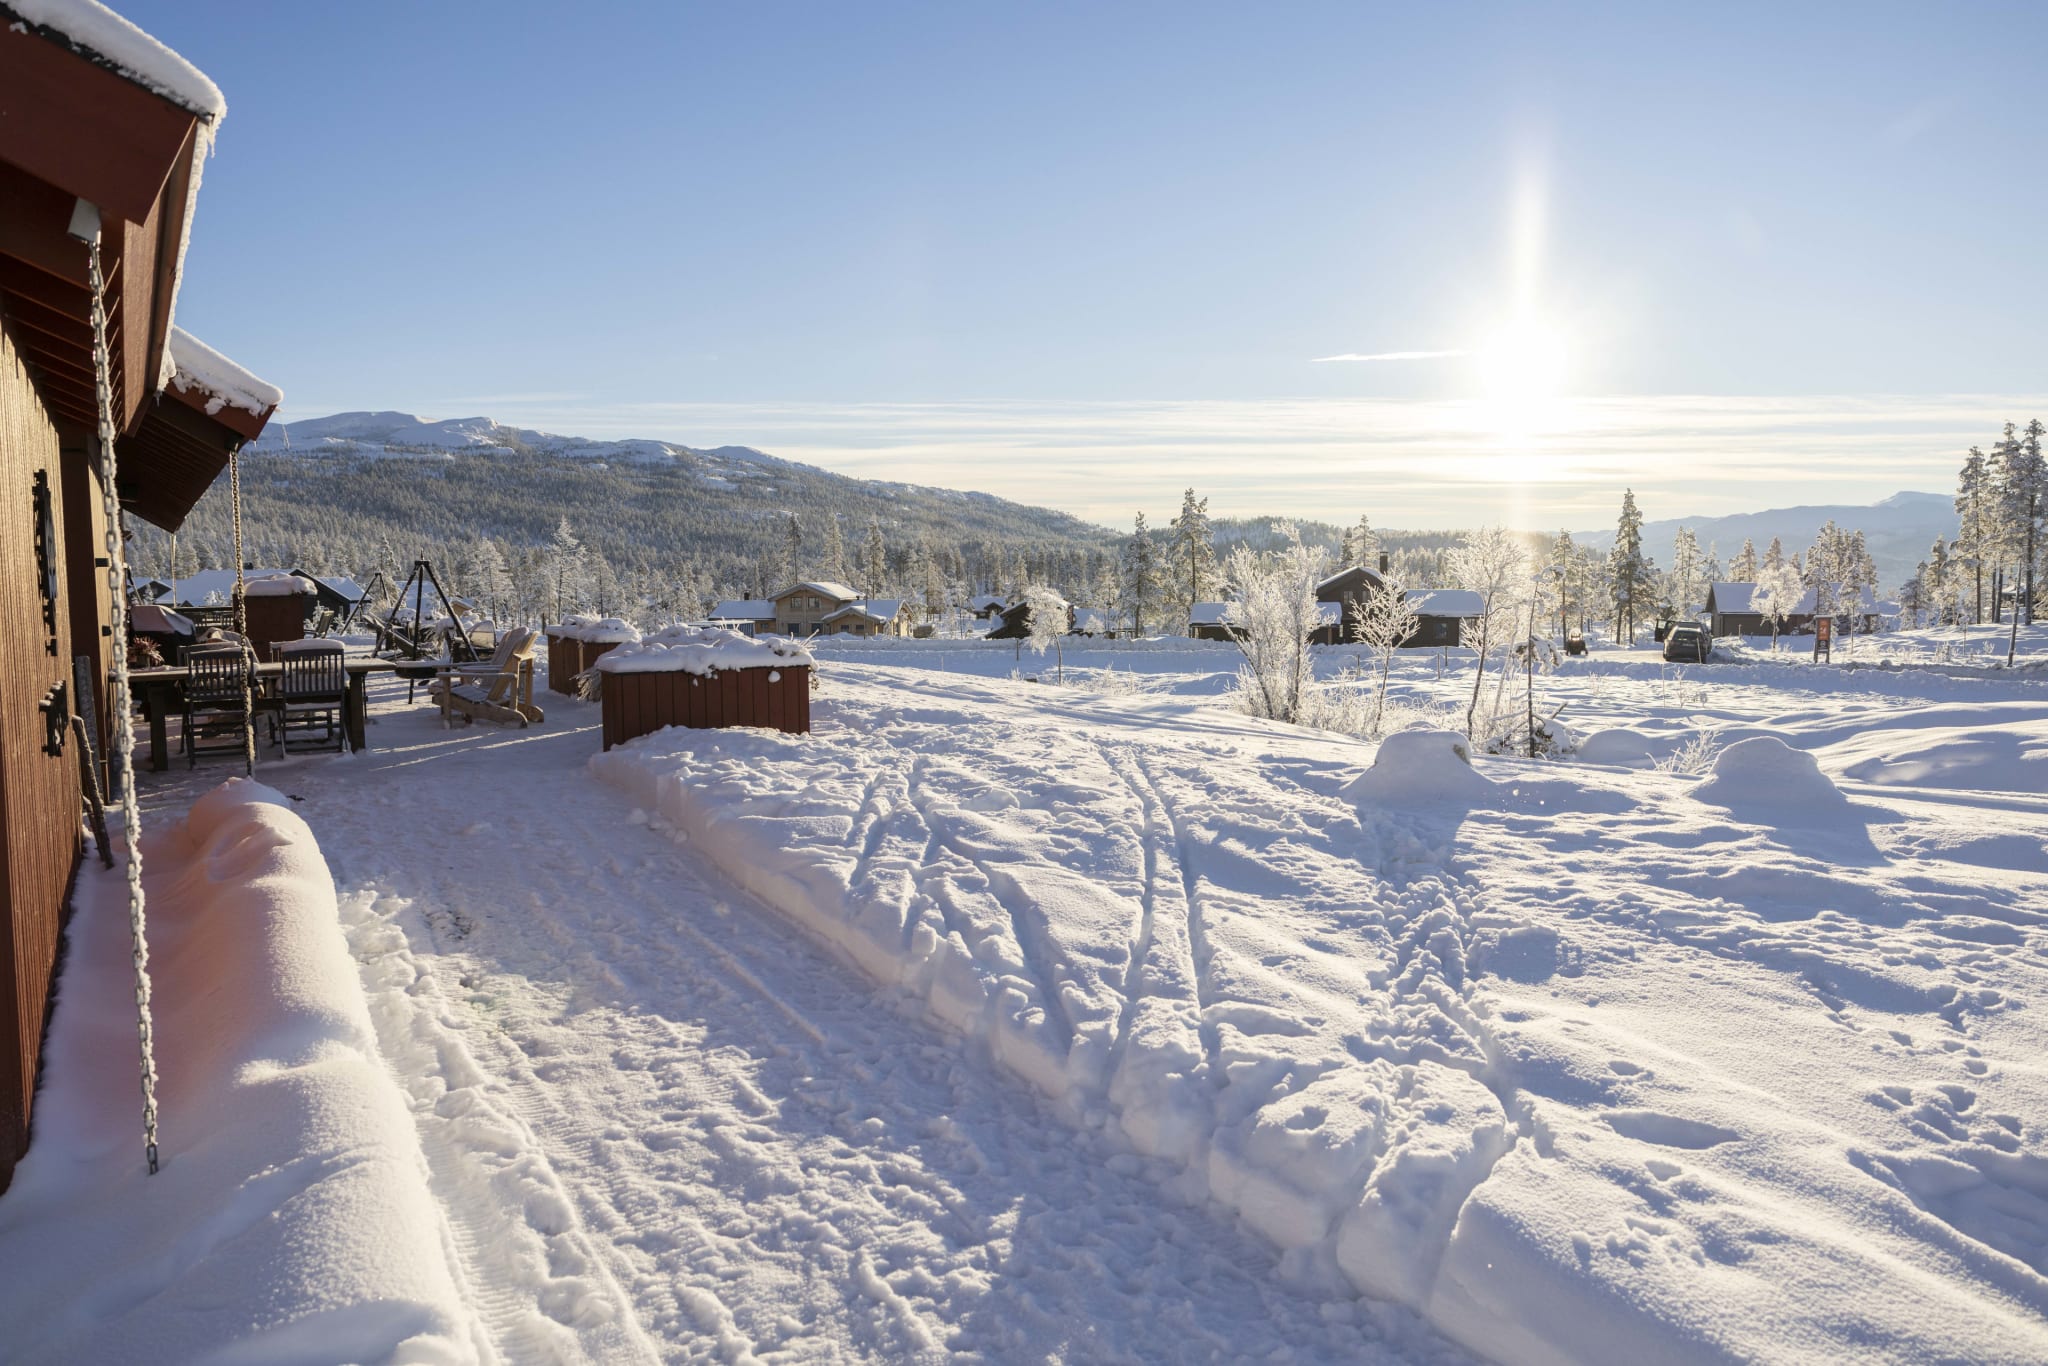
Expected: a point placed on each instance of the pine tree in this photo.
(1141, 574)
(1191, 554)
(874, 560)
(565, 570)
(1743, 570)
(1974, 515)
(793, 567)
(1685, 569)
(832, 553)
(1359, 543)
(1775, 555)
(1631, 573)
(1934, 579)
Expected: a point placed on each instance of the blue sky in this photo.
(1084, 254)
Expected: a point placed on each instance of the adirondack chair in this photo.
(498, 690)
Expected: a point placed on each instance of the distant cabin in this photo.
(1092, 621)
(750, 616)
(1731, 611)
(1441, 614)
(986, 606)
(1210, 621)
(872, 617)
(801, 609)
(1342, 593)
(1016, 622)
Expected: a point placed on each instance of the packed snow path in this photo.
(664, 1124)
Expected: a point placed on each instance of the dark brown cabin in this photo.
(73, 127)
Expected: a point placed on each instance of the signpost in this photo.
(1823, 638)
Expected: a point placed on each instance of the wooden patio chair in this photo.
(311, 687)
(217, 691)
(500, 690)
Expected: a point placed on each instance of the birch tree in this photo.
(1273, 619)
(1490, 563)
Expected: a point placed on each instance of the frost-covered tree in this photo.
(1631, 573)
(1492, 564)
(566, 571)
(1685, 571)
(1780, 589)
(1274, 618)
(1047, 617)
(1977, 522)
(794, 567)
(1383, 622)
(874, 560)
(1937, 579)
(1141, 575)
(1359, 543)
(832, 550)
(1191, 556)
(1743, 568)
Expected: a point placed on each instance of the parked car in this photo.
(1688, 642)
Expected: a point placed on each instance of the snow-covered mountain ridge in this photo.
(395, 433)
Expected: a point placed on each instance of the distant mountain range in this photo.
(1898, 530)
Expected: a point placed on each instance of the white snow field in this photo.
(1101, 1022)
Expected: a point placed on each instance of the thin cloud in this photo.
(1389, 355)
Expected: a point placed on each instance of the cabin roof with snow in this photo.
(879, 610)
(982, 603)
(1208, 613)
(1353, 581)
(825, 588)
(94, 109)
(743, 609)
(1461, 603)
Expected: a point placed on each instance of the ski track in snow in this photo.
(665, 1124)
(1410, 1048)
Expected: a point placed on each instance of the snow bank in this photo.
(703, 650)
(1623, 748)
(195, 365)
(1420, 765)
(291, 1220)
(1764, 771)
(596, 630)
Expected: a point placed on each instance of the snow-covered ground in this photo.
(1100, 1021)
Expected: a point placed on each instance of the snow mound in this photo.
(1624, 748)
(291, 1220)
(276, 586)
(596, 630)
(1420, 765)
(1765, 771)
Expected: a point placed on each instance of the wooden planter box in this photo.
(638, 704)
(568, 656)
(565, 661)
(273, 619)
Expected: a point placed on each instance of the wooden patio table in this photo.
(158, 687)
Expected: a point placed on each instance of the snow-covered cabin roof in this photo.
(195, 365)
(345, 588)
(987, 602)
(1446, 602)
(96, 32)
(743, 609)
(880, 610)
(1731, 597)
(839, 592)
(1090, 621)
(197, 589)
(1209, 613)
(1370, 573)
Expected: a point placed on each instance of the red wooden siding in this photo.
(39, 802)
(274, 620)
(637, 704)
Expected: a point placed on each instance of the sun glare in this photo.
(1523, 363)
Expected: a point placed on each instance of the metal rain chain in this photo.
(242, 619)
(85, 225)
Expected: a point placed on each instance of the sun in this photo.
(1522, 365)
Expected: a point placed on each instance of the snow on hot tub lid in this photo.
(276, 586)
(708, 650)
(596, 630)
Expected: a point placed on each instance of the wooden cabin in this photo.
(83, 138)
(1015, 622)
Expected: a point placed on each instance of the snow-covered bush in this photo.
(1047, 613)
(1694, 756)
(1273, 619)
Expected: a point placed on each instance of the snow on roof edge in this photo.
(95, 31)
(194, 364)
